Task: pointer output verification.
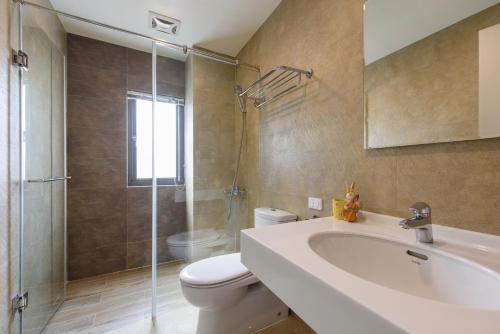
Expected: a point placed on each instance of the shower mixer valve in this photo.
(234, 191)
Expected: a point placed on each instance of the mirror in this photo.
(432, 71)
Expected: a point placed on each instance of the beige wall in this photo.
(311, 143)
(9, 151)
(428, 92)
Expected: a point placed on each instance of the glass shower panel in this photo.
(211, 161)
(43, 147)
(172, 227)
(58, 169)
(195, 110)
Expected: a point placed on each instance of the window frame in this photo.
(132, 180)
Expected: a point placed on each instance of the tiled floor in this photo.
(121, 303)
(292, 325)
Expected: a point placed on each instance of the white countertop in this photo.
(332, 300)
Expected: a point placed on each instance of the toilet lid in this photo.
(214, 270)
(193, 238)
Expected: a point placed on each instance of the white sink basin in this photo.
(406, 268)
(358, 278)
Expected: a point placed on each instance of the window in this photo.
(169, 124)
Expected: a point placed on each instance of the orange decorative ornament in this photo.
(351, 207)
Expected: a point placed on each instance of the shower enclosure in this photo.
(141, 149)
(42, 165)
(209, 150)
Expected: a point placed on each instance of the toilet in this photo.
(196, 245)
(229, 297)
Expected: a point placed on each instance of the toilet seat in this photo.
(239, 282)
(216, 271)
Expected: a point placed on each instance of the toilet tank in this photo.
(271, 216)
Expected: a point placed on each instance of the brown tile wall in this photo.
(109, 224)
(311, 143)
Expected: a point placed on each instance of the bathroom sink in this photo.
(374, 277)
(417, 271)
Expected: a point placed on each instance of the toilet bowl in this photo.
(229, 297)
(197, 244)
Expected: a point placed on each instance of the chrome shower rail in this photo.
(278, 82)
(184, 48)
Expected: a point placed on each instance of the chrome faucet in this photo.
(421, 222)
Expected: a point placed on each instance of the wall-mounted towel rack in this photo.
(275, 84)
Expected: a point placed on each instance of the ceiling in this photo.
(223, 26)
(391, 25)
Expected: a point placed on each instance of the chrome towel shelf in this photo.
(275, 84)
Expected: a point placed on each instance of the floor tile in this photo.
(121, 303)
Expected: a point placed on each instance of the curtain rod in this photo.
(185, 49)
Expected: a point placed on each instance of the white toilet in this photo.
(197, 244)
(230, 298)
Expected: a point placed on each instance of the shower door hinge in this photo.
(20, 303)
(20, 59)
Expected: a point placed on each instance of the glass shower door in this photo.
(42, 272)
(58, 169)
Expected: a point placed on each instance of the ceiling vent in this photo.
(164, 24)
